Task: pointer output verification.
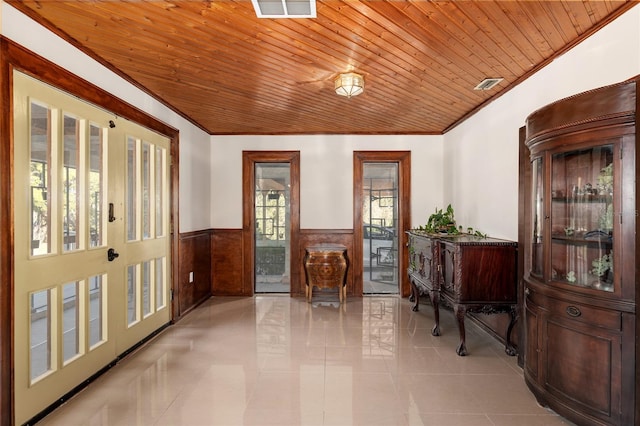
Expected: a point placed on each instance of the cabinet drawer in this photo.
(603, 318)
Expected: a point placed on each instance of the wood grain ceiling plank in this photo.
(515, 42)
(447, 24)
(280, 66)
(217, 63)
(529, 28)
(388, 65)
(485, 37)
(445, 66)
(546, 32)
(241, 71)
(406, 64)
(562, 26)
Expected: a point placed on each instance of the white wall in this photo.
(194, 143)
(481, 154)
(326, 175)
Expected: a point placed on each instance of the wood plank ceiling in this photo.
(229, 72)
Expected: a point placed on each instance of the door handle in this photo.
(112, 218)
(112, 254)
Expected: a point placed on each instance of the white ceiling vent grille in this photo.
(285, 8)
(488, 83)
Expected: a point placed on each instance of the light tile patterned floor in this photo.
(276, 360)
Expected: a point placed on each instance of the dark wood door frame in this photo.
(249, 160)
(403, 159)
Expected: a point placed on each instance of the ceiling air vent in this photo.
(285, 8)
(488, 83)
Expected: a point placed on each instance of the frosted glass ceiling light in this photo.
(349, 84)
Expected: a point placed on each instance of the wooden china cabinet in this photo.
(580, 265)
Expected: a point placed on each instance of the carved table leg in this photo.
(412, 297)
(460, 312)
(415, 295)
(509, 348)
(435, 301)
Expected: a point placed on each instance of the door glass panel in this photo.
(40, 330)
(159, 190)
(97, 301)
(146, 190)
(146, 288)
(70, 193)
(160, 283)
(132, 189)
(380, 235)
(132, 295)
(40, 147)
(582, 218)
(70, 320)
(538, 218)
(72, 160)
(96, 187)
(272, 199)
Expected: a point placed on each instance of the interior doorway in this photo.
(381, 215)
(272, 221)
(380, 228)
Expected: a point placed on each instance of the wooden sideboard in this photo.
(466, 273)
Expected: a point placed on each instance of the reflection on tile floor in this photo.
(276, 360)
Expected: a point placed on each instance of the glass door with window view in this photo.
(380, 233)
(91, 249)
(272, 222)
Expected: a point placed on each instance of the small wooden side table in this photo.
(325, 266)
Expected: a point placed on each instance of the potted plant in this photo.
(442, 222)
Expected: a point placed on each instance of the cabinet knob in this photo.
(573, 311)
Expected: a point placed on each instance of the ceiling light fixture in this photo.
(349, 84)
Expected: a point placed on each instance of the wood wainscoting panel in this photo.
(309, 237)
(194, 275)
(226, 264)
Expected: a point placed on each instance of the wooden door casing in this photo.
(403, 158)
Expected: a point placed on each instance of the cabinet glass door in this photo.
(582, 212)
(537, 261)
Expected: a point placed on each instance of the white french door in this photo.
(91, 240)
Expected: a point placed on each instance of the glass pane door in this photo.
(86, 189)
(272, 222)
(582, 211)
(380, 233)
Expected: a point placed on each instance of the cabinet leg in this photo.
(509, 348)
(460, 312)
(415, 297)
(435, 301)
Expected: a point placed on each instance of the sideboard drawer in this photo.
(604, 318)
